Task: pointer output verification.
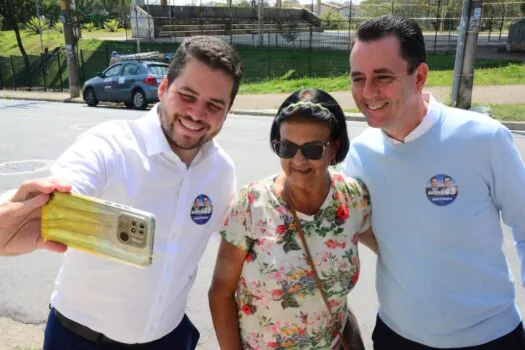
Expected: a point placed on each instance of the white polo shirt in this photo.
(131, 162)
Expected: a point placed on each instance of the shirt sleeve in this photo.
(346, 166)
(237, 229)
(86, 164)
(508, 180)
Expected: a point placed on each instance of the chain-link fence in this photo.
(45, 71)
(275, 44)
(270, 26)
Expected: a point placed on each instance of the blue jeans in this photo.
(58, 337)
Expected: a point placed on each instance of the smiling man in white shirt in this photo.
(161, 163)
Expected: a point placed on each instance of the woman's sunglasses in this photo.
(311, 150)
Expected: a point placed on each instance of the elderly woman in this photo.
(291, 234)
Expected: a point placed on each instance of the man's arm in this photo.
(87, 163)
(508, 182)
(82, 168)
(20, 215)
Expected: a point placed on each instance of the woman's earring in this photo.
(333, 162)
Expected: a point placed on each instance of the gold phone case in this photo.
(100, 227)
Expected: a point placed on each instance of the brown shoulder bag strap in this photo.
(300, 233)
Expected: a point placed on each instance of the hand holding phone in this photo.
(101, 227)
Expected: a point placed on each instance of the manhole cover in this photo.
(21, 167)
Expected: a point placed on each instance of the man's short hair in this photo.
(211, 51)
(406, 30)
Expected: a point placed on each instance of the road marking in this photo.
(82, 127)
(24, 167)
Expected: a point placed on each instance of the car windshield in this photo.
(158, 69)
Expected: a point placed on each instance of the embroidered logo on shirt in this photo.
(201, 209)
(441, 189)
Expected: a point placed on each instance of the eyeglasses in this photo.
(311, 150)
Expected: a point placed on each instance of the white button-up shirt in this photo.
(131, 162)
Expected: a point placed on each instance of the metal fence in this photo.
(273, 49)
(46, 71)
(439, 19)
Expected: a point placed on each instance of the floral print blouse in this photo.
(280, 306)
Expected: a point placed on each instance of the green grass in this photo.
(51, 38)
(266, 70)
(503, 112)
(510, 112)
(512, 73)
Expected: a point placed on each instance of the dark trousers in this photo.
(385, 338)
(58, 337)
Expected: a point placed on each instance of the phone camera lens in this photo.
(133, 223)
(141, 232)
(124, 236)
(133, 230)
(141, 225)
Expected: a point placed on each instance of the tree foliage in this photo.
(334, 19)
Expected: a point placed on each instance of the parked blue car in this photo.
(133, 82)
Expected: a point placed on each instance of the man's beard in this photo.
(169, 128)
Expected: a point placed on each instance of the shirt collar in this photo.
(155, 140)
(426, 123)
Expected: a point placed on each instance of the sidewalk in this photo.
(267, 104)
(497, 94)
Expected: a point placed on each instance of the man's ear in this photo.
(163, 87)
(421, 76)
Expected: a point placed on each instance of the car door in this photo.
(127, 80)
(110, 79)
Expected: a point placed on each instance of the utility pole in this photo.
(71, 48)
(466, 54)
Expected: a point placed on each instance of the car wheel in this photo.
(139, 99)
(129, 105)
(90, 97)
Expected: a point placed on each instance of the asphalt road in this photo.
(33, 134)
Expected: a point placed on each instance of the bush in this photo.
(111, 26)
(334, 20)
(59, 26)
(90, 27)
(37, 25)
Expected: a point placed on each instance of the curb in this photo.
(358, 117)
(46, 99)
(355, 117)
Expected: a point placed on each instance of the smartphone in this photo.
(100, 227)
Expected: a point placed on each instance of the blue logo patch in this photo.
(201, 209)
(441, 190)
